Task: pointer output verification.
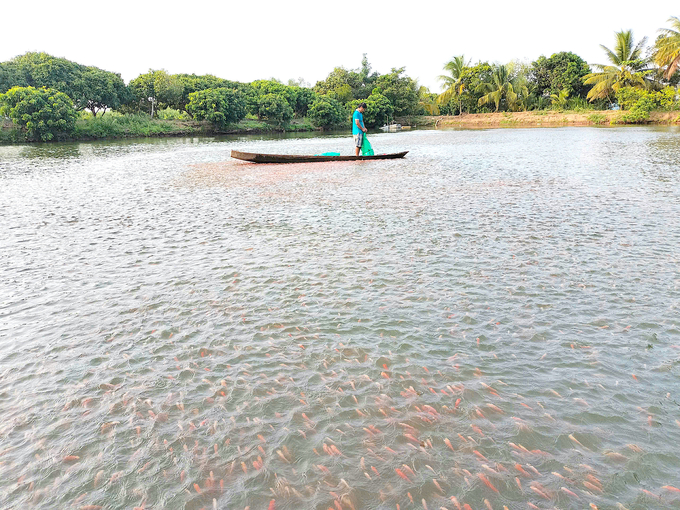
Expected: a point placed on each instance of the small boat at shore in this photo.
(390, 128)
(294, 158)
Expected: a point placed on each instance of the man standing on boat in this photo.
(358, 128)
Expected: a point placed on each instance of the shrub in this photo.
(275, 108)
(221, 106)
(597, 118)
(44, 114)
(115, 125)
(303, 101)
(326, 112)
(639, 113)
(579, 105)
(664, 99)
(640, 103)
(172, 114)
(628, 96)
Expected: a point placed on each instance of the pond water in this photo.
(490, 322)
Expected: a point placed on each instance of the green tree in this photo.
(453, 83)
(471, 78)
(498, 88)
(43, 70)
(221, 106)
(378, 109)
(559, 100)
(275, 108)
(193, 83)
(156, 89)
(304, 97)
(10, 76)
(326, 112)
(367, 79)
(342, 93)
(89, 87)
(667, 51)
(521, 86)
(43, 113)
(628, 69)
(346, 85)
(429, 101)
(266, 87)
(560, 71)
(402, 92)
(340, 84)
(96, 90)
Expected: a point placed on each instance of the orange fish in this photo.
(480, 455)
(592, 487)
(650, 493)
(402, 475)
(487, 483)
(519, 468)
(572, 494)
(408, 469)
(438, 486)
(540, 492)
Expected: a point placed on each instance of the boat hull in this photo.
(293, 158)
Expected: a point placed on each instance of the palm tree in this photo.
(428, 101)
(668, 48)
(520, 86)
(500, 87)
(559, 100)
(453, 82)
(628, 69)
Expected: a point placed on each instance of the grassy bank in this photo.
(112, 126)
(540, 118)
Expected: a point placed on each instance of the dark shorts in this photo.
(358, 139)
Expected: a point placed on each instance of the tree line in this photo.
(636, 77)
(42, 93)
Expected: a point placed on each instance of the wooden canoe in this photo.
(293, 158)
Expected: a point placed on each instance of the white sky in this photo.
(247, 40)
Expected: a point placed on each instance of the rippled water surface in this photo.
(492, 321)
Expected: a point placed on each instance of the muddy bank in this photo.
(542, 118)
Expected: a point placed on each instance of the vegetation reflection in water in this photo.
(490, 323)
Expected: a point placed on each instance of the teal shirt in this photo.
(357, 115)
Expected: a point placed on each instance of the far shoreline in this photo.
(539, 118)
(10, 135)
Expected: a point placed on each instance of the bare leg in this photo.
(357, 150)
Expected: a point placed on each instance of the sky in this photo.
(261, 39)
